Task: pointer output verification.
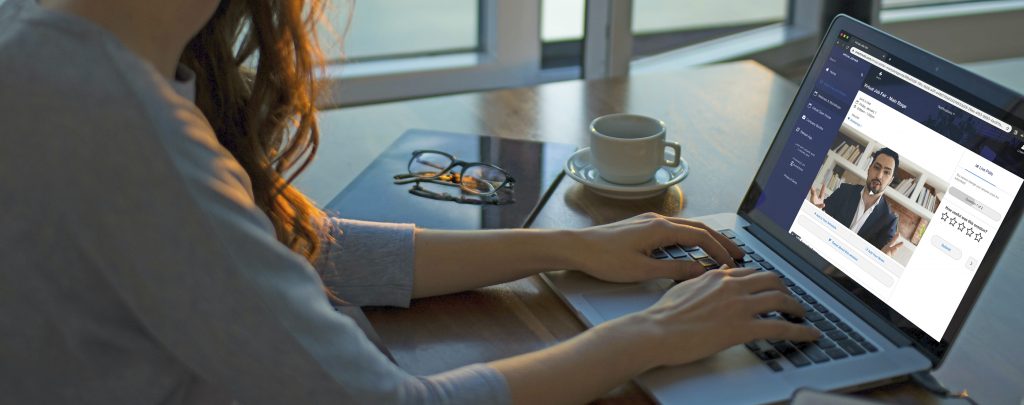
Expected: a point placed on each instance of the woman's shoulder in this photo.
(61, 64)
(73, 93)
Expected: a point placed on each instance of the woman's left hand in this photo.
(621, 251)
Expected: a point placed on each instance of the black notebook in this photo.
(372, 196)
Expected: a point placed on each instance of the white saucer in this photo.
(581, 168)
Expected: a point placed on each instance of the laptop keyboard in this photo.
(838, 341)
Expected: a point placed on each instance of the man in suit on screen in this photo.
(863, 208)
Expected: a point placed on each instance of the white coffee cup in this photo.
(629, 148)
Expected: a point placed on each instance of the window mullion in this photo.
(607, 38)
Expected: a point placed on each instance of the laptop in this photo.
(884, 202)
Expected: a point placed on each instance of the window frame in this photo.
(508, 56)
(511, 48)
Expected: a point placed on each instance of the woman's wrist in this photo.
(637, 336)
(563, 249)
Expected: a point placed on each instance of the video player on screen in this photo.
(863, 208)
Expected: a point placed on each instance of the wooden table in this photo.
(725, 116)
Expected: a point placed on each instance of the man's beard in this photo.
(874, 187)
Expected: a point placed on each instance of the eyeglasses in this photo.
(482, 180)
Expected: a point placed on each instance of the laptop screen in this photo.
(897, 179)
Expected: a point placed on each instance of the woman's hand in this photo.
(620, 252)
(693, 320)
(715, 311)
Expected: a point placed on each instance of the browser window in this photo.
(896, 183)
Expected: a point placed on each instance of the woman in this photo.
(154, 251)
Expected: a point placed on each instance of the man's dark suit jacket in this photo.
(878, 229)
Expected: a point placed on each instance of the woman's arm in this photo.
(452, 261)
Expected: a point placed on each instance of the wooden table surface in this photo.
(724, 116)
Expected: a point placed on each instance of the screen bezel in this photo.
(985, 95)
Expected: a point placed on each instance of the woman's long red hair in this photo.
(266, 117)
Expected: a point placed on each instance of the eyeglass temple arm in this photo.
(440, 181)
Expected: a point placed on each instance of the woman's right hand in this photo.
(707, 314)
(693, 320)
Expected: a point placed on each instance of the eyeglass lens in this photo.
(429, 164)
(482, 179)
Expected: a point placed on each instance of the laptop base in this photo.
(736, 375)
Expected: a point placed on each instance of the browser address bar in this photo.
(932, 90)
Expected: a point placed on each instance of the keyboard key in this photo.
(798, 290)
(798, 359)
(784, 347)
(775, 366)
(708, 263)
(810, 300)
(844, 327)
(768, 266)
(728, 233)
(807, 307)
(813, 316)
(675, 251)
(856, 336)
(832, 317)
(825, 343)
(788, 282)
(871, 348)
(757, 257)
(698, 254)
(792, 318)
(816, 354)
(772, 354)
(659, 254)
(820, 308)
(851, 347)
(836, 353)
(836, 334)
(692, 248)
(746, 249)
(752, 346)
(824, 326)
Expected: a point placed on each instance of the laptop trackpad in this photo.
(613, 303)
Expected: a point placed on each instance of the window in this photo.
(657, 25)
(397, 28)
(561, 31)
(407, 48)
(661, 25)
(916, 3)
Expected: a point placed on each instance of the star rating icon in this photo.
(970, 231)
(961, 226)
(977, 237)
(945, 216)
(952, 221)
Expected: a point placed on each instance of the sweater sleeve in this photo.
(369, 263)
(178, 237)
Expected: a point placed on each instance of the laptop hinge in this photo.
(854, 304)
